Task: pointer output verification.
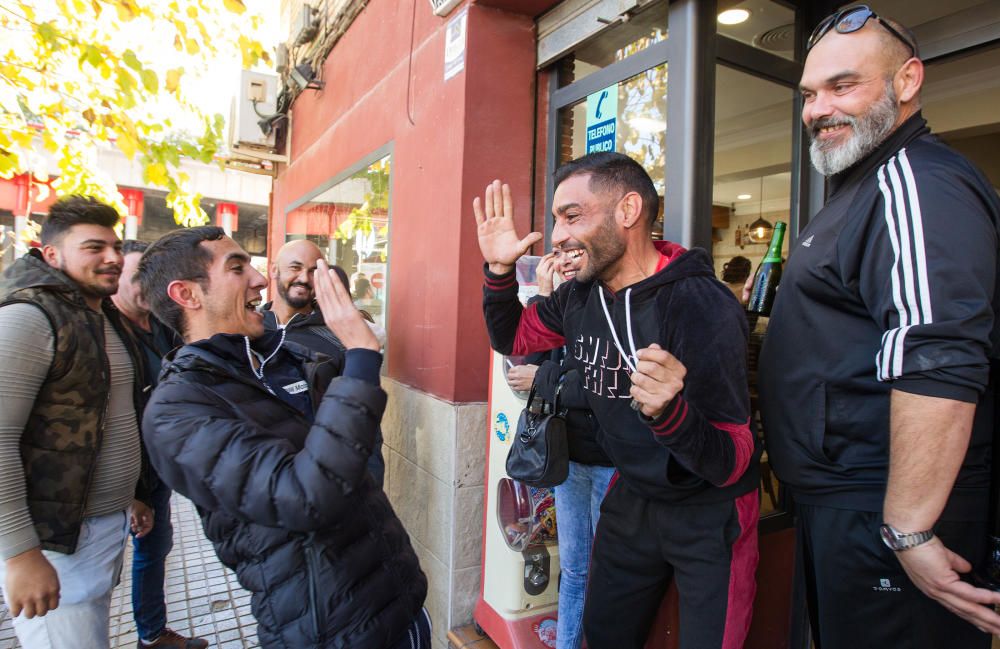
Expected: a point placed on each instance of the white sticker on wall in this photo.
(454, 44)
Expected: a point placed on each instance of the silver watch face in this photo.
(899, 541)
(889, 537)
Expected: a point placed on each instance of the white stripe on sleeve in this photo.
(910, 287)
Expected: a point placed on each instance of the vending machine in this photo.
(517, 604)
(520, 584)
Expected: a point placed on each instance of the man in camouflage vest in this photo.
(70, 457)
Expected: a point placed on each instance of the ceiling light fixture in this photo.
(743, 197)
(734, 16)
(760, 230)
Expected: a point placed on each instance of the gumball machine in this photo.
(517, 605)
(520, 584)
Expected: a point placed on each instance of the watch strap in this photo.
(897, 540)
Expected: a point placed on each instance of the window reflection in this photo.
(752, 180)
(640, 126)
(350, 224)
(617, 43)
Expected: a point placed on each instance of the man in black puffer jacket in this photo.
(273, 452)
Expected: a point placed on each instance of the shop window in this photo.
(617, 43)
(763, 24)
(349, 222)
(629, 117)
(752, 181)
(960, 97)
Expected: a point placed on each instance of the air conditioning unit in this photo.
(257, 99)
(305, 26)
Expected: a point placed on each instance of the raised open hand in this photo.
(498, 241)
(339, 312)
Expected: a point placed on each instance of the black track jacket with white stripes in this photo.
(893, 285)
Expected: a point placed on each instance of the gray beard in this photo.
(867, 132)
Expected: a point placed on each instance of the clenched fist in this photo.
(658, 378)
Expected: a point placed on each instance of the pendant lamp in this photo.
(760, 230)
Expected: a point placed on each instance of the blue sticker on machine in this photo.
(502, 427)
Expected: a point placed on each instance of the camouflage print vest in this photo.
(64, 431)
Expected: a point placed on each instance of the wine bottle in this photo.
(765, 282)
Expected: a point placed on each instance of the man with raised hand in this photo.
(273, 448)
(660, 345)
(294, 310)
(878, 375)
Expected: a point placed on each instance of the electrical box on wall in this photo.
(257, 100)
(305, 26)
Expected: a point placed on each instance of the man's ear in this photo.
(908, 81)
(631, 209)
(185, 293)
(272, 271)
(51, 256)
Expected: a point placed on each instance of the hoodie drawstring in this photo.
(259, 373)
(628, 327)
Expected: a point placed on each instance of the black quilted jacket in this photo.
(288, 505)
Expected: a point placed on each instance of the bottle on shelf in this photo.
(765, 282)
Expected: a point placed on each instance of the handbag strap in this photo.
(555, 401)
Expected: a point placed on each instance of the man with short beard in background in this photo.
(878, 375)
(295, 312)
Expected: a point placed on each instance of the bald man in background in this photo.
(294, 310)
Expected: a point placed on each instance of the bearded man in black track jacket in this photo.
(878, 377)
(273, 452)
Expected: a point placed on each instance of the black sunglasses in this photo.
(851, 20)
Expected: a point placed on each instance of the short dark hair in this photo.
(134, 245)
(342, 274)
(736, 270)
(177, 255)
(614, 172)
(76, 210)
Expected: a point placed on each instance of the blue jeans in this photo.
(149, 568)
(578, 506)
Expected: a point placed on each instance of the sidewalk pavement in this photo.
(203, 596)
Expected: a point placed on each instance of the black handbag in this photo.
(539, 456)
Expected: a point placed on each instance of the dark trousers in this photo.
(418, 635)
(858, 593)
(710, 550)
(149, 568)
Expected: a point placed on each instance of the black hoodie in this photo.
(701, 448)
(891, 286)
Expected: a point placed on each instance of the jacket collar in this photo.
(908, 131)
(308, 320)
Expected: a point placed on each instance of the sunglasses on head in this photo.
(851, 20)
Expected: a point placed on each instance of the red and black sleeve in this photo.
(707, 426)
(514, 329)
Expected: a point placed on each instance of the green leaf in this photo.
(49, 34)
(150, 81)
(131, 60)
(93, 56)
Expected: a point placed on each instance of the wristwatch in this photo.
(897, 540)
